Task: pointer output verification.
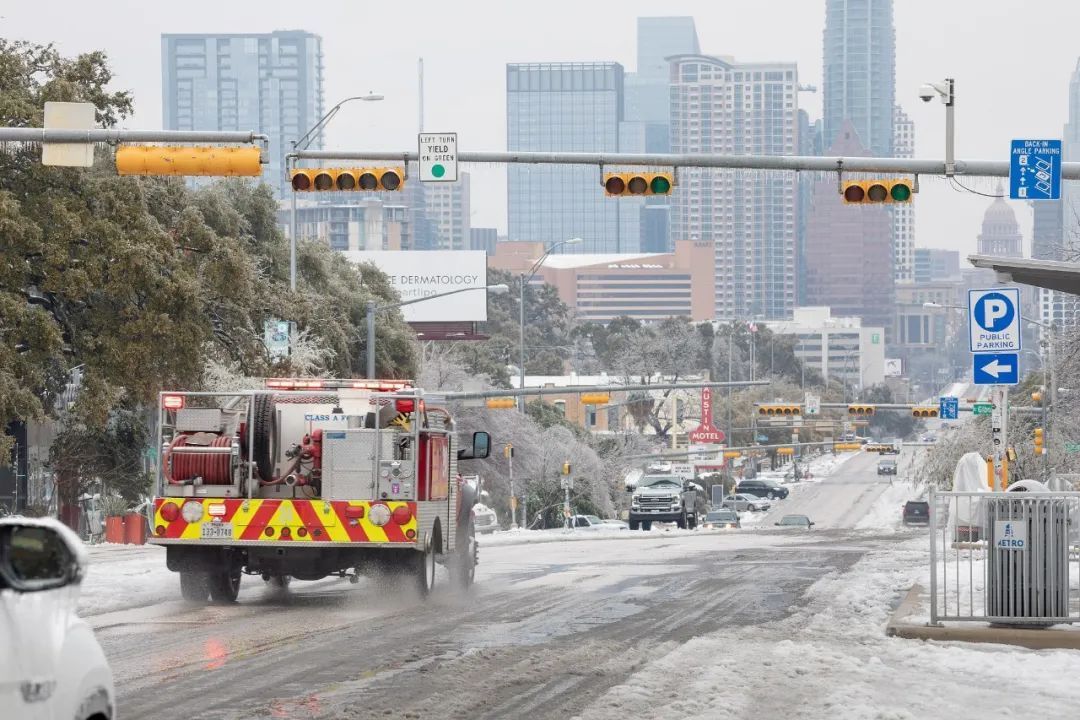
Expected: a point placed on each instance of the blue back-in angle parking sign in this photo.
(1035, 170)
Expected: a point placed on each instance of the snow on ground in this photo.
(125, 576)
(886, 514)
(831, 659)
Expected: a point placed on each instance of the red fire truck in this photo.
(311, 478)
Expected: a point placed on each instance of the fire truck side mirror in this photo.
(481, 447)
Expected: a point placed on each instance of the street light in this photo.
(373, 308)
(302, 144)
(525, 278)
(946, 90)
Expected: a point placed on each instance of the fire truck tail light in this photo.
(192, 511)
(354, 511)
(411, 534)
(379, 515)
(286, 533)
(405, 406)
(217, 510)
(402, 514)
(172, 402)
(160, 529)
(170, 511)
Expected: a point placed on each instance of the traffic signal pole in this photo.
(98, 135)
(885, 165)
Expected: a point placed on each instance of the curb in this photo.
(1032, 639)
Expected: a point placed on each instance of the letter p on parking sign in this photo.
(994, 320)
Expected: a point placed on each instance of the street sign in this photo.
(1072, 447)
(69, 116)
(1035, 170)
(706, 432)
(812, 404)
(949, 408)
(996, 369)
(982, 408)
(438, 157)
(994, 320)
(894, 367)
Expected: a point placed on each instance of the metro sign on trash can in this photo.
(705, 432)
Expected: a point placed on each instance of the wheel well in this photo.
(98, 716)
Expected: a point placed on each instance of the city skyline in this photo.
(986, 81)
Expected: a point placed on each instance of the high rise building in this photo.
(721, 106)
(860, 71)
(849, 249)
(572, 106)
(934, 265)
(648, 110)
(903, 214)
(271, 83)
(483, 238)
(1000, 234)
(447, 206)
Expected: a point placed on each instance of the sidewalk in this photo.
(1066, 637)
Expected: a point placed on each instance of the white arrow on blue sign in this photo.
(994, 320)
(996, 369)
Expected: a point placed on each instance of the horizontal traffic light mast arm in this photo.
(905, 166)
(40, 135)
(572, 389)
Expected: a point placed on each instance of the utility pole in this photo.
(999, 432)
(566, 494)
(509, 451)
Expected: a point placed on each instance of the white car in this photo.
(484, 519)
(743, 502)
(51, 665)
(594, 522)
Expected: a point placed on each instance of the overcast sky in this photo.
(1011, 61)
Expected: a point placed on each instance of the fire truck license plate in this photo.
(215, 531)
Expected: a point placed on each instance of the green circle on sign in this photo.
(438, 170)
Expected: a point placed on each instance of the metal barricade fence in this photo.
(1007, 557)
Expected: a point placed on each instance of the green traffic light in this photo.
(900, 192)
(660, 185)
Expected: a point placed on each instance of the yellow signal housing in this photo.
(595, 398)
(1038, 433)
(780, 410)
(877, 192)
(347, 179)
(860, 410)
(566, 468)
(925, 411)
(189, 161)
(638, 184)
(785, 451)
(502, 403)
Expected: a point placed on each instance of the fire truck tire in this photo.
(424, 567)
(263, 435)
(194, 585)
(225, 585)
(465, 565)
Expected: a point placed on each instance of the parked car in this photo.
(762, 488)
(485, 520)
(743, 502)
(51, 665)
(886, 466)
(795, 521)
(916, 512)
(725, 519)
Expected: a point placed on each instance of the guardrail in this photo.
(1008, 558)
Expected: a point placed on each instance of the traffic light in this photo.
(566, 468)
(876, 192)
(926, 411)
(1037, 396)
(508, 451)
(618, 184)
(501, 403)
(860, 410)
(780, 410)
(1039, 449)
(595, 398)
(347, 179)
(785, 451)
(245, 161)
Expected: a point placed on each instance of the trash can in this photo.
(1027, 558)
(114, 529)
(134, 529)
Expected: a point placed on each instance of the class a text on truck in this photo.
(310, 478)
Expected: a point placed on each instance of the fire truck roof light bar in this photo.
(309, 383)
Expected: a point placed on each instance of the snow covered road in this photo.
(746, 624)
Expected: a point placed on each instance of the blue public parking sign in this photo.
(1035, 170)
(996, 368)
(949, 408)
